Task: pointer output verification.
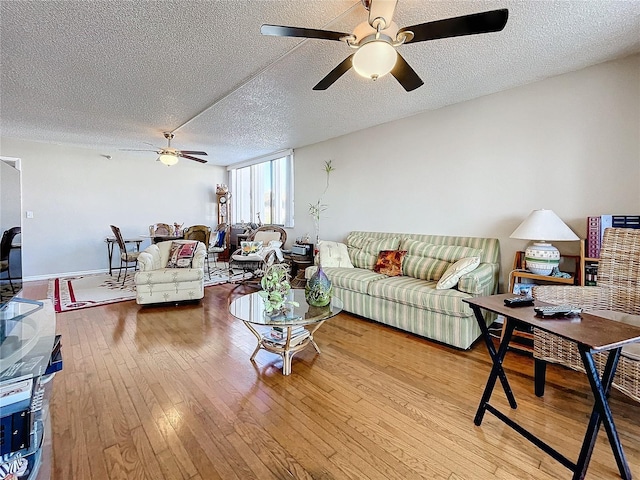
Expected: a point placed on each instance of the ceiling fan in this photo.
(376, 41)
(169, 155)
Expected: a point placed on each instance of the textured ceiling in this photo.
(114, 74)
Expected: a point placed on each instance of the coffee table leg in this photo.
(311, 332)
(286, 362)
(258, 337)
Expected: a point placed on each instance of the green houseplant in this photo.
(316, 209)
(275, 287)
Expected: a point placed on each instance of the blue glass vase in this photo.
(318, 289)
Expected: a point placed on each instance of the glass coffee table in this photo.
(288, 333)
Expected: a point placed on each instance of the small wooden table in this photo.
(592, 334)
(250, 309)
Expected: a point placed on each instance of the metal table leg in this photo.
(601, 413)
(496, 371)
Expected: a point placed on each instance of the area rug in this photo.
(83, 291)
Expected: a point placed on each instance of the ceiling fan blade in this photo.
(282, 31)
(136, 150)
(193, 152)
(189, 157)
(485, 22)
(335, 74)
(406, 76)
(382, 9)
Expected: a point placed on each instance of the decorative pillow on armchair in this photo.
(181, 254)
(390, 262)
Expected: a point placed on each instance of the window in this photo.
(263, 189)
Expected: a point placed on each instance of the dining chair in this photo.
(5, 251)
(126, 258)
(219, 244)
(201, 233)
(160, 231)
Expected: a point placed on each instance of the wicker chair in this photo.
(617, 293)
(255, 264)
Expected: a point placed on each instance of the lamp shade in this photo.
(543, 225)
(168, 159)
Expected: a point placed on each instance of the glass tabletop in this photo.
(250, 308)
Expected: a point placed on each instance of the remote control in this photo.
(557, 311)
(518, 302)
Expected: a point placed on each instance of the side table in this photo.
(592, 334)
(298, 264)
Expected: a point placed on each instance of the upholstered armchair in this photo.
(171, 271)
(616, 296)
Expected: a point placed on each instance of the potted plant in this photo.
(275, 287)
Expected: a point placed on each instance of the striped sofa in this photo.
(411, 301)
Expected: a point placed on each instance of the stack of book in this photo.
(278, 335)
(596, 226)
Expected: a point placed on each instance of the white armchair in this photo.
(155, 283)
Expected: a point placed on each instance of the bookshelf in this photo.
(586, 264)
(575, 262)
(523, 340)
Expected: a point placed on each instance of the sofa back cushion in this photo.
(490, 247)
(428, 261)
(363, 250)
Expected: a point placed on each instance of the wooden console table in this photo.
(592, 334)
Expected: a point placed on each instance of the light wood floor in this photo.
(170, 393)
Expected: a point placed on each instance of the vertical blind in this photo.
(262, 190)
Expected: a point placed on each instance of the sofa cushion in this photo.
(428, 261)
(421, 294)
(363, 251)
(390, 262)
(333, 254)
(181, 254)
(450, 278)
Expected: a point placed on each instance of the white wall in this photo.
(75, 194)
(570, 143)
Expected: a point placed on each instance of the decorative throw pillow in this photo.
(181, 254)
(249, 248)
(333, 254)
(390, 262)
(455, 271)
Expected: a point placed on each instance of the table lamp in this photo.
(543, 226)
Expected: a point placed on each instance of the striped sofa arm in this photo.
(481, 281)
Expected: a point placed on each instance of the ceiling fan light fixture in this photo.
(168, 159)
(374, 59)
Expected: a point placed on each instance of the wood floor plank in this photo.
(169, 393)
